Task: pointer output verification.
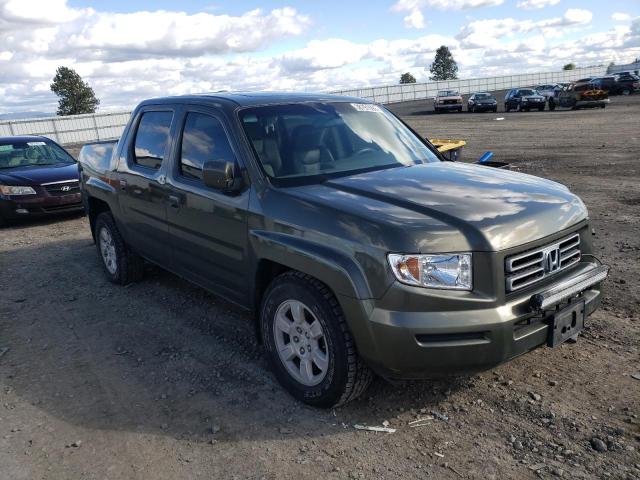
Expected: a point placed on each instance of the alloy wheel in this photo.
(301, 343)
(108, 251)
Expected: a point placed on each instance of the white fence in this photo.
(71, 129)
(420, 91)
(629, 67)
(103, 126)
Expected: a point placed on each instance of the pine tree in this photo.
(444, 67)
(75, 95)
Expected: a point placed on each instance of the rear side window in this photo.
(203, 139)
(152, 138)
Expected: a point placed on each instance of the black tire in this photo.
(495, 110)
(541, 109)
(347, 376)
(626, 91)
(506, 108)
(129, 267)
(552, 105)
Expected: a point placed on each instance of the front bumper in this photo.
(485, 107)
(15, 207)
(591, 103)
(448, 106)
(420, 344)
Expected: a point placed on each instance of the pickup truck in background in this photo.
(358, 248)
(447, 100)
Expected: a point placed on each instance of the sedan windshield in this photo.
(448, 93)
(310, 142)
(526, 92)
(32, 154)
(484, 96)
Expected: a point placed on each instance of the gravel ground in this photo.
(162, 380)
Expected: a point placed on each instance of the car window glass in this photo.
(152, 138)
(203, 139)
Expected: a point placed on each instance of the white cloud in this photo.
(412, 5)
(129, 57)
(486, 33)
(415, 19)
(620, 17)
(534, 4)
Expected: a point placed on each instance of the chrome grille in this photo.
(527, 268)
(62, 188)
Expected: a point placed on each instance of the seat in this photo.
(266, 147)
(310, 156)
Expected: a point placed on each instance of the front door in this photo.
(207, 228)
(142, 186)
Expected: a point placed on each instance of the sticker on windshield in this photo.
(36, 144)
(366, 107)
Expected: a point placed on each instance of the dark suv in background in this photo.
(623, 84)
(523, 99)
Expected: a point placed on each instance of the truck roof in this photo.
(247, 99)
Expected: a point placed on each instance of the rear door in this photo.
(142, 179)
(207, 228)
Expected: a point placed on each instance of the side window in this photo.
(152, 138)
(203, 139)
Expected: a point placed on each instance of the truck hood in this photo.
(448, 205)
(39, 175)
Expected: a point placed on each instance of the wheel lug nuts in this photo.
(301, 351)
(296, 339)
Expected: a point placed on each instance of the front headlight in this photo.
(444, 271)
(15, 190)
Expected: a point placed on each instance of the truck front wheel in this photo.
(119, 263)
(310, 347)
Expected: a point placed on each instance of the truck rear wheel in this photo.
(310, 347)
(119, 263)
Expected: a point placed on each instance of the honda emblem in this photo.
(551, 259)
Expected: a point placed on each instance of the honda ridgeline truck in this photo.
(357, 247)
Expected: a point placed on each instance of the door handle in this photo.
(174, 201)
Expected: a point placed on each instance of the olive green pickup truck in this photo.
(357, 247)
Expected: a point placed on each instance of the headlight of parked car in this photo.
(444, 271)
(15, 190)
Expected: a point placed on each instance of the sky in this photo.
(129, 50)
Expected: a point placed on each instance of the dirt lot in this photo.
(162, 380)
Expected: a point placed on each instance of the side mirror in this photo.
(221, 175)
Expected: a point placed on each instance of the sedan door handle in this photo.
(174, 201)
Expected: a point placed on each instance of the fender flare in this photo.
(329, 265)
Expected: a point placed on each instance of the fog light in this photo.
(22, 210)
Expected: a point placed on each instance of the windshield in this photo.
(526, 92)
(32, 153)
(309, 142)
(484, 96)
(448, 93)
